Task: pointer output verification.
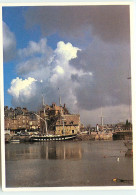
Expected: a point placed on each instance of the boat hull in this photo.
(52, 138)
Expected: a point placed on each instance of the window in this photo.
(73, 131)
(71, 122)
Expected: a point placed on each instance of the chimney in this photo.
(53, 105)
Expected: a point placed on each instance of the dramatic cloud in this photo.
(110, 67)
(60, 62)
(110, 22)
(52, 68)
(9, 43)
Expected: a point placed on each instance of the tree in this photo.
(128, 125)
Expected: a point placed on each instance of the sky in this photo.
(81, 53)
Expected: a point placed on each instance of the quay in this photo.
(118, 135)
(122, 135)
(38, 138)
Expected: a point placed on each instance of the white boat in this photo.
(15, 140)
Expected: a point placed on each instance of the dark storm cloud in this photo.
(109, 22)
(108, 85)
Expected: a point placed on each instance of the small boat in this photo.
(15, 141)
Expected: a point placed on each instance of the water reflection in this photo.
(58, 164)
(47, 150)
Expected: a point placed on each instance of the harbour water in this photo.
(71, 163)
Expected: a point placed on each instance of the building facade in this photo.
(68, 124)
(50, 119)
(20, 119)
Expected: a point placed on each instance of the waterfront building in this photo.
(50, 116)
(56, 119)
(68, 124)
(19, 120)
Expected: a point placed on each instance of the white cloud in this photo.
(59, 70)
(20, 86)
(25, 93)
(60, 62)
(52, 68)
(30, 65)
(62, 71)
(9, 43)
(34, 48)
(66, 51)
(63, 54)
(35, 59)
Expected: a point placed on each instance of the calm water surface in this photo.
(52, 164)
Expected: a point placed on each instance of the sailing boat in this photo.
(48, 137)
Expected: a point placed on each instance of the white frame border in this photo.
(133, 81)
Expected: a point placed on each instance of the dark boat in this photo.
(45, 138)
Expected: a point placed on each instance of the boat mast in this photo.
(101, 118)
(46, 131)
(61, 113)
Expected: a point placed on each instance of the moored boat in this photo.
(52, 138)
(15, 140)
(45, 136)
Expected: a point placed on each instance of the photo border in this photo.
(133, 90)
